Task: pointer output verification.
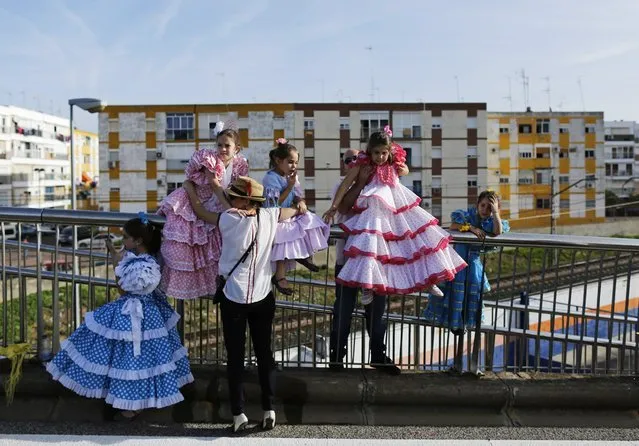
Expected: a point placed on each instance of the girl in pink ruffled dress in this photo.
(191, 247)
(394, 246)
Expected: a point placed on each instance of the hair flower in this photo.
(281, 141)
(388, 131)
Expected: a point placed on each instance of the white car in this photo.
(99, 241)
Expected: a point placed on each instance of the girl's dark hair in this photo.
(280, 152)
(150, 234)
(489, 195)
(234, 135)
(380, 139)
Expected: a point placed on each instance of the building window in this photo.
(591, 204)
(525, 154)
(563, 154)
(504, 129)
(417, 188)
(590, 128)
(589, 153)
(525, 202)
(503, 180)
(472, 181)
(471, 123)
(590, 184)
(525, 128)
(564, 203)
(344, 123)
(114, 125)
(437, 123)
(543, 126)
(564, 179)
(437, 210)
(564, 129)
(170, 187)
(409, 156)
(437, 153)
(543, 176)
(369, 126)
(180, 127)
(417, 131)
(437, 185)
(543, 203)
(309, 124)
(471, 152)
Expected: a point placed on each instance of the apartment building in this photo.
(34, 158)
(543, 161)
(622, 157)
(143, 149)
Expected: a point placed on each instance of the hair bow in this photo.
(281, 140)
(143, 218)
(219, 126)
(388, 131)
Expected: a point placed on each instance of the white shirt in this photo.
(251, 280)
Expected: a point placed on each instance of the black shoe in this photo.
(336, 366)
(308, 264)
(386, 365)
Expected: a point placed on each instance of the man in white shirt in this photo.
(245, 264)
(346, 297)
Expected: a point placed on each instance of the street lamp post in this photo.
(91, 105)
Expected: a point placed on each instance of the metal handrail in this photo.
(523, 240)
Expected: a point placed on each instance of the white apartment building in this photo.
(34, 159)
(622, 157)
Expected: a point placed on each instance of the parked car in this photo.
(99, 241)
(10, 231)
(66, 235)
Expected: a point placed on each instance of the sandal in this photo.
(308, 264)
(276, 283)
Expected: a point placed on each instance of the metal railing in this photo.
(557, 303)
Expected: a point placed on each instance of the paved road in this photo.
(110, 433)
(23, 440)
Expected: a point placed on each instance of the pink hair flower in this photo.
(388, 131)
(281, 141)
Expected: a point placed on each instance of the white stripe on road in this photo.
(91, 440)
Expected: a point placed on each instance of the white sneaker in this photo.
(367, 296)
(435, 291)
(239, 422)
(268, 422)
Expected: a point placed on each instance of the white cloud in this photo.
(162, 19)
(619, 49)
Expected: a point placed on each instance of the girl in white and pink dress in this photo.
(191, 247)
(394, 246)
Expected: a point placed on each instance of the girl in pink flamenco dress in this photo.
(394, 246)
(191, 247)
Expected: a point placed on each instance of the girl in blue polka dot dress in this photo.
(128, 351)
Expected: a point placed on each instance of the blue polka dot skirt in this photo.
(127, 352)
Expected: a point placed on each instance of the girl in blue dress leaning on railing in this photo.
(457, 309)
(128, 351)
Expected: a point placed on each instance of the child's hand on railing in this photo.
(329, 215)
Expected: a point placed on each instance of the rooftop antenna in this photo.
(525, 83)
(370, 48)
(457, 88)
(509, 98)
(581, 94)
(547, 91)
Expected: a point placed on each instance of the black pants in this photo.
(260, 320)
(345, 300)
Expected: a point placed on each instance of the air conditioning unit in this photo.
(493, 150)
(112, 164)
(159, 154)
(160, 182)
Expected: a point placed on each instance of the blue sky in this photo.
(205, 51)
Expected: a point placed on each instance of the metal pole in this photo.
(552, 203)
(74, 241)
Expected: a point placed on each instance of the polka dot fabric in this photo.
(98, 361)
